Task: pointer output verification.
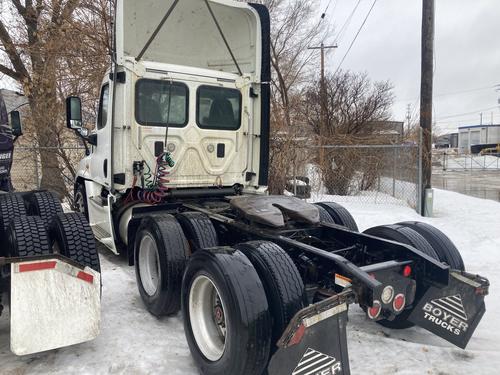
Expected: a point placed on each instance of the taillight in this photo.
(407, 271)
(399, 303)
(374, 311)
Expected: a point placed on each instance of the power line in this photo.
(326, 10)
(347, 23)
(357, 34)
(477, 111)
(451, 93)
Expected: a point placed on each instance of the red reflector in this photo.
(407, 271)
(85, 277)
(37, 266)
(297, 336)
(399, 302)
(374, 312)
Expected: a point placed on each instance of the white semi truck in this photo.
(50, 280)
(176, 180)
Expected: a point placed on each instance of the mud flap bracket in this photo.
(315, 342)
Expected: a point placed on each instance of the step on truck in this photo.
(176, 181)
(49, 268)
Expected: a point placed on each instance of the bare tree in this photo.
(295, 26)
(355, 106)
(356, 111)
(52, 48)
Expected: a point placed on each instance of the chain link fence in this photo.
(26, 169)
(452, 161)
(361, 173)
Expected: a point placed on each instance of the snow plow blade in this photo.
(453, 312)
(315, 341)
(54, 303)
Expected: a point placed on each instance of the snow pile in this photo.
(134, 342)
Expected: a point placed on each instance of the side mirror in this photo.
(74, 113)
(16, 124)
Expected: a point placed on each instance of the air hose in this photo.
(154, 191)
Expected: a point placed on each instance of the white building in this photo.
(476, 135)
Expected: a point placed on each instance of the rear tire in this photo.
(11, 207)
(324, 216)
(160, 259)
(226, 318)
(80, 200)
(408, 236)
(74, 239)
(27, 236)
(282, 283)
(199, 230)
(339, 215)
(442, 245)
(45, 204)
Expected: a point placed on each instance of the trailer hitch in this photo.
(315, 341)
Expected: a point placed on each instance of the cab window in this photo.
(161, 103)
(102, 116)
(218, 108)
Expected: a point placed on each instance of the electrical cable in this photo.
(356, 36)
(346, 23)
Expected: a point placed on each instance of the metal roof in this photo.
(479, 126)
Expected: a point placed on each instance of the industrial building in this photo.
(473, 138)
(447, 141)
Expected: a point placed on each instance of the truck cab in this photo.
(189, 81)
(10, 130)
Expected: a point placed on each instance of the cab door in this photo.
(101, 156)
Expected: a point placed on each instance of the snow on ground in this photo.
(133, 342)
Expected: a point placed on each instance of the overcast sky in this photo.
(388, 48)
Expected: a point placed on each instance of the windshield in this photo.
(153, 99)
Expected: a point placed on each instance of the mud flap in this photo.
(53, 304)
(315, 341)
(454, 312)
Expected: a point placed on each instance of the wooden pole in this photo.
(426, 96)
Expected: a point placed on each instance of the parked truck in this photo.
(176, 181)
(49, 267)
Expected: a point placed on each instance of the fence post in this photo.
(394, 172)
(37, 173)
(419, 173)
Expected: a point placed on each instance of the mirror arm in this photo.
(85, 141)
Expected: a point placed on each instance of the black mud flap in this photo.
(454, 312)
(315, 341)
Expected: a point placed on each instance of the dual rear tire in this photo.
(236, 301)
(430, 241)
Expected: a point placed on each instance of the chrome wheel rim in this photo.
(149, 265)
(208, 318)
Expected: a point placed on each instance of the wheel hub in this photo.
(207, 318)
(149, 265)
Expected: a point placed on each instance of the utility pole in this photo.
(426, 96)
(408, 118)
(323, 93)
